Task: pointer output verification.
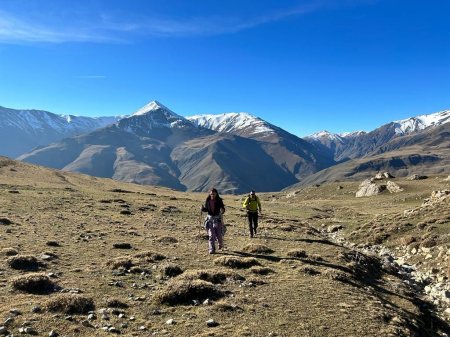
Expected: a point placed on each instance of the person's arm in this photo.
(259, 205)
(222, 207)
(245, 204)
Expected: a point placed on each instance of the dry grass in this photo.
(282, 292)
(187, 291)
(213, 276)
(9, 251)
(70, 304)
(171, 270)
(23, 262)
(257, 249)
(34, 283)
(297, 253)
(237, 262)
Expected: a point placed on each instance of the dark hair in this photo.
(213, 190)
(252, 192)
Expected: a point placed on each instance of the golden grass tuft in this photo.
(262, 270)
(121, 262)
(115, 303)
(212, 276)
(23, 262)
(297, 253)
(234, 262)
(70, 304)
(171, 270)
(150, 256)
(257, 249)
(34, 283)
(182, 291)
(9, 251)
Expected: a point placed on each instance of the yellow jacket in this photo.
(252, 204)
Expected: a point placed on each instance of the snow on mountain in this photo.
(153, 115)
(35, 121)
(238, 123)
(413, 124)
(337, 137)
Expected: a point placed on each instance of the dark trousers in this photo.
(252, 222)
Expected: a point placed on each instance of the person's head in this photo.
(252, 193)
(213, 193)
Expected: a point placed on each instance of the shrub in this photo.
(167, 240)
(33, 284)
(257, 249)
(23, 262)
(234, 262)
(171, 270)
(115, 303)
(186, 291)
(261, 270)
(70, 304)
(297, 253)
(121, 262)
(150, 256)
(212, 276)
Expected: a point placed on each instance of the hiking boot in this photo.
(211, 253)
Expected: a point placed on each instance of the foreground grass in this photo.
(136, 257)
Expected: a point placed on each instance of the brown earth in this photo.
(135, 257)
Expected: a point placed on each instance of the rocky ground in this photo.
(84, 256)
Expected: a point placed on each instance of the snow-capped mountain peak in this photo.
(233, 122)
(413, 124)
(154, 106)
(153, 115)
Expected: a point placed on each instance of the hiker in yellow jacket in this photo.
(252, 205)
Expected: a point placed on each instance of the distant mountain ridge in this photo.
(156, 146)
(232, 151)
(22, 130)
(361, 144)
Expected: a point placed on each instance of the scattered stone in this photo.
(8, 321)
(3, 330)
(36, 309)
(113, 330)
(334, 228)
(170, 321)
(53, 333)
(28, 330)
(15, 312)
(393, 187)
(211, 323)
(368, 188)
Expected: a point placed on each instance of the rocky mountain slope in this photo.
(156, 146)
(88, 256)
(422, 153)
(23, 130)
(364, 144)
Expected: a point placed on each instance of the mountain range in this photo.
(23, 130)
(233, 152)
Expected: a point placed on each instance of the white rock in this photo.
(170, 321)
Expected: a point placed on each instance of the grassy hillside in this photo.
(86, 256)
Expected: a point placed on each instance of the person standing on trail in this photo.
(252, 205)
(213, 224)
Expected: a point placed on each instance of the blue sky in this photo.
(302, 65)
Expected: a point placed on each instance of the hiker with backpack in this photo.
(214, 224)
(252, 205)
